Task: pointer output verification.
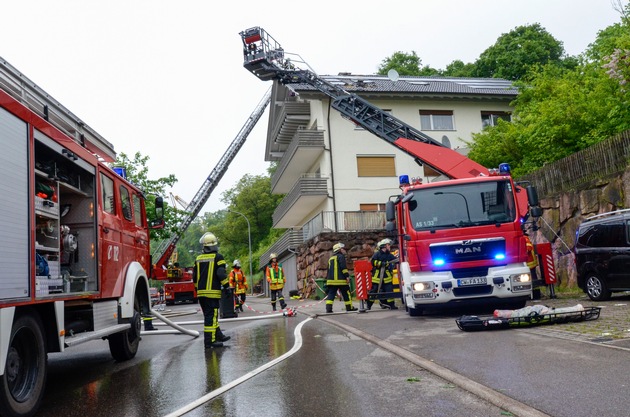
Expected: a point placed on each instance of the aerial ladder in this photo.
(265, 58)
(179, 285)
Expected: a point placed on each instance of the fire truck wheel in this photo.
(124, 345)
(22, 385)
(415, 312)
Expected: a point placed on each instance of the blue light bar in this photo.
(499, 256)
(403, 180)
(438, 262)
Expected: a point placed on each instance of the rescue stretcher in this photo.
(476, 323)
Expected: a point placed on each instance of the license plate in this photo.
(472, 281)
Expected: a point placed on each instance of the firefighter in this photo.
(382, 275)
(275, 278)
(338, 279)
(210, 277)
(238, 281)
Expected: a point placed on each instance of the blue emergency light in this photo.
(403, 180)
(504, 169)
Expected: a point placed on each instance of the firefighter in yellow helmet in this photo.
(210, 277)
(238, 281)
(275, 277)
(383, 264)
(338, 279)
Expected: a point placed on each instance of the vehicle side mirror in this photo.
(390, 212)
(159, 208)
(532, 196)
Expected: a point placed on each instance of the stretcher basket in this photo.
(476, 323)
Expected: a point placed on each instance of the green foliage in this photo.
(138, 174)
(516, 52)
(405, 64)
(561, 110)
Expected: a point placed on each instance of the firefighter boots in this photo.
(221, 337)
(283, 305)
(329, 308)
(351, 308)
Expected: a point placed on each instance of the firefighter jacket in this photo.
(337, 270)
(275, 276)
(532, 260)
(238, 281)
(209, 275)
(383, 267)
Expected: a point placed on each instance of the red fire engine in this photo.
(75, 242)
(178, 284)
(462, 239)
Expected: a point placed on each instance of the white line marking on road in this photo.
(211, 395)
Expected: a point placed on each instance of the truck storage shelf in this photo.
(476, 323)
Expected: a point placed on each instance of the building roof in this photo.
(366, 84)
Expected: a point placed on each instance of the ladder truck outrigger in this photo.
(462, 240)
(75, 242)
(178, 285)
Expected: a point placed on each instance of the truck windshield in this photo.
(464, 205)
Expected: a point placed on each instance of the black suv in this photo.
(602, 254)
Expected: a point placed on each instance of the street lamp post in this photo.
(249, 236)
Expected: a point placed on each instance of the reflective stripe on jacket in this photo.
(238, 281)
(209, 275)
(337, 270)
(275, 277)
(381, 266)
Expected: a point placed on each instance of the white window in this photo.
(436, 120)
(491, 118)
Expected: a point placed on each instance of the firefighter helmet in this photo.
(236, 264)
(272, 257)
(338, 246)
(209, 239)
(384, 242)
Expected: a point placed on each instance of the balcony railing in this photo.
(309, 185)
(343, 221)
(326, 221)
(305, 148)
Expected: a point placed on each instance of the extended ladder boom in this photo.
(30, 95)
(167, 246)
(265, 58)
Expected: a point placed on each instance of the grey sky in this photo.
(165, 77)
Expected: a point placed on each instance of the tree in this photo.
(560, 111)
(517, 51)
(138, 174)
(457, 68)
(405, 64)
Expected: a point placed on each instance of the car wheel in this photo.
(596, 288)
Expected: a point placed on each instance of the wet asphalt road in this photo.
(348, 364)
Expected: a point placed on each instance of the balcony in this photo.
(285, 119)
(343, 221)
(325, 221)
(305, 148)
(308, 192)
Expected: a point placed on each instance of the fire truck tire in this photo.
(124, 345)
(24, 379)
(415, 312)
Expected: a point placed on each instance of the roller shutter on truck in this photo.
(14, 229)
